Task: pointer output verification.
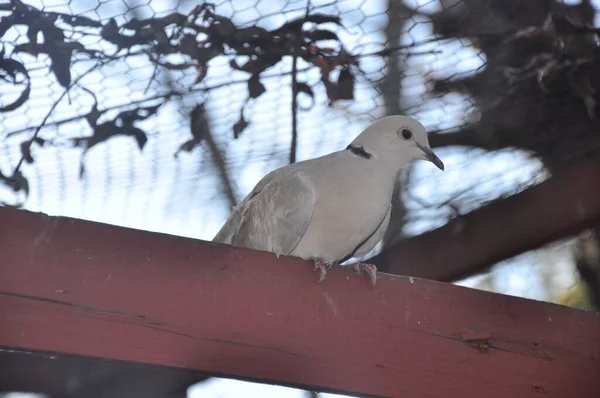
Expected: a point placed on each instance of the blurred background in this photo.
(161, 115)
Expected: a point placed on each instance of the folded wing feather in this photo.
(274, 216)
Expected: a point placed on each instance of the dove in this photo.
(334, 207)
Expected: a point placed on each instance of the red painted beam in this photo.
(76, 287)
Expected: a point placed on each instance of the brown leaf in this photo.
(198, 129)
(187, 146)
(321, 34)
(345, 85)
(202, 71)
(305, 88)
(198, 122)
(26, 148)
(255, 87)
(12, 69)
(240, 125)
(250, 66)
(17, 182)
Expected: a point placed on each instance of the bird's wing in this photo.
(274, 216)
(231, 226)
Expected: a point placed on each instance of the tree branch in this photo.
(221, 167)
(557, 208)
(470, 136)
(294, 144)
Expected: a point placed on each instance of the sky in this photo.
(152, 190)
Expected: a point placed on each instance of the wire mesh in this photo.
(405, 52)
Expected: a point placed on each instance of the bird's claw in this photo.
(322, 267)
(369, 269)
(359, 268)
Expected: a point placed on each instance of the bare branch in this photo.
(555, 209)
(469, 136)
(217, 156)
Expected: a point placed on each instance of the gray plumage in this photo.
(334, 206)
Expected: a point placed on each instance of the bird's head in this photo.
(397, 138)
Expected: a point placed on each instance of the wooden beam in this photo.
(557, 208)
(82, 288)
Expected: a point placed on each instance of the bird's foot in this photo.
(369, 269)
(322, 267)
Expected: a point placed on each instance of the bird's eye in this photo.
(406, 134)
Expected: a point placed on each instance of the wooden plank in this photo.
(76, 287)
(557, 208)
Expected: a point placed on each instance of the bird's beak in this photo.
(432, 157)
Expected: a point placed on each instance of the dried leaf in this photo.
(244, 68)
(187, 146)
(32, 34)
(345, 85)
(305, 88)
(198, 122)
(5, 24)
(255, 87)
(93, 115)
(60, 54)
(343, 89)
(202, 72)
(78, 20)
(240, 126)
(319, 34)
(61, 67)
(198, 129)
(26, 151)
(128, 117)
(140, 136)
(17, 182)
(111, 33)
(12, 69)
(26, 148)
(252, 34)
(123, 124)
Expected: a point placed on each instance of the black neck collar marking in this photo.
(359, 151)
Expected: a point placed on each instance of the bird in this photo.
(331, 208)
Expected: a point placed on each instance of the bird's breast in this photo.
(345, 215)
